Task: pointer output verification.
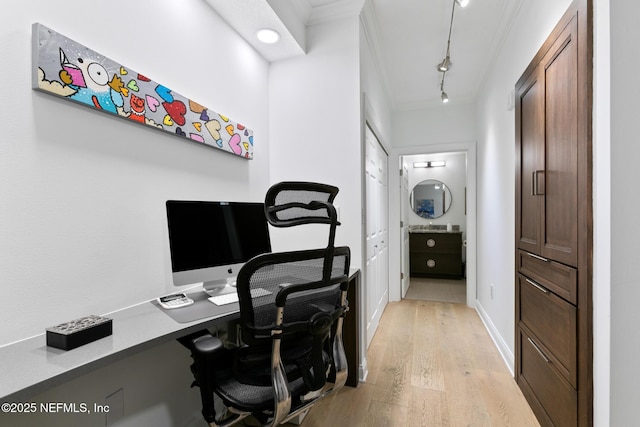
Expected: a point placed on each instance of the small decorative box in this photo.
(69, 335)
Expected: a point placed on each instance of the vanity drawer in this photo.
(552, 321)
(552, 398)
(558, 278)
(436, 264)
(435, 242)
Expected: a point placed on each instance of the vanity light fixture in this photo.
(268, 35)
(430, 164)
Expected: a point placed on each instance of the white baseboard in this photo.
(500, 343)
(362, 374)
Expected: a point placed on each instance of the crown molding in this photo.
(335, 10)
(372, 37)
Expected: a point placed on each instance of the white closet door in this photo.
(404, 229)
(377, 232)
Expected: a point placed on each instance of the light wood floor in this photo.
(430, 364)
(443, 290)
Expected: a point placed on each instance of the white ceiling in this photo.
(408, 38)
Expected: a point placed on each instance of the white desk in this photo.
(29, 367)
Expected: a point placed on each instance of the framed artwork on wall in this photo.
(67, 69)
(425, 208)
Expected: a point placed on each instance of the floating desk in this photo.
(29, 367)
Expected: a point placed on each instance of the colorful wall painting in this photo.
(70, 70)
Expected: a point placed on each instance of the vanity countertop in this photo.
(426, 230)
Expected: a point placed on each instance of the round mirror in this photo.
(430, 199)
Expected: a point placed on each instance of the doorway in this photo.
(399, 219)
(433, 204)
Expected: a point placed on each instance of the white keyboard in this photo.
(232, 297)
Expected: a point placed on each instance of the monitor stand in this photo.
(219, 287)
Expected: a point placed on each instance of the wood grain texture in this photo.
(430, 364)
(434, 289)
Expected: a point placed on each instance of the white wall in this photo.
(438, 129)
(602, 216)
(625, 292)
(496, 163)
(440, 124)
(377, 106)
(82, 222)
(453, 175)
(82, 219)
(315, 128)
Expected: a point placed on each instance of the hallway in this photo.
(437, 290)
(430, 364)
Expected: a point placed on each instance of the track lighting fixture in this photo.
(445, 65)
(443, 94)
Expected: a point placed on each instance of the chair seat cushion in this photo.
(251, 398)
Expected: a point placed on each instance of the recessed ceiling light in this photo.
(268, 35)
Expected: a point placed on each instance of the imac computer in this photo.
(210, 241)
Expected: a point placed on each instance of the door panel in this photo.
(560, 228)
(404, 229)
(547, 181)
(529, 209)
(377, 230)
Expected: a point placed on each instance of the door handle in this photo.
(538, 287)
(537, 257)
(533, 183)
(535, 191)
(546, 359)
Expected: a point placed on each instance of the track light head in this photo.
(445, 65)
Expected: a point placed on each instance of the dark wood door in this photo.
(554, 228)
(547, 177)
(530, 156)
(559, 181)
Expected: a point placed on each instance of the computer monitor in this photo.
(210, 241)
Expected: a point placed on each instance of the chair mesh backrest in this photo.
(295, 203)
(274, 272)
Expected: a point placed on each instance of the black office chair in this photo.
(292, 307)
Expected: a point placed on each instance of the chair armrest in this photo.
(205, 349)
(202, 344)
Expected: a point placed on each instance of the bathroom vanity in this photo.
(436, 253)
